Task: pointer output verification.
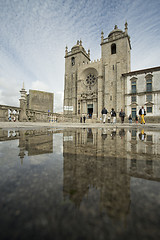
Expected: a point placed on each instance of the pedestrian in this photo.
(130, 118)
(142, 135)
(104, 134)
(142, 113)
(9, 119)
(113, 134)
(104, 114)
(122, 115)
(136, 119)
(80, 119)
(113, 115)
(122, 133)
(109, 119)
(84, 119)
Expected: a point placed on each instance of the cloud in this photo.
(33, 36)
(41, 86)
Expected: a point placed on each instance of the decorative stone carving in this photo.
(88, 96)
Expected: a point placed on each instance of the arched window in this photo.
(133, 85)
(113, 48)
(73, 61)
(148, 82)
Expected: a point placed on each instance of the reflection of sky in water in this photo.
(80, 184)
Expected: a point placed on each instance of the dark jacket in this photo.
(113, 113)
(122, 114)
(140, 112)
(104, 111)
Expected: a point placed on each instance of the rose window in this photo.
(91, 79)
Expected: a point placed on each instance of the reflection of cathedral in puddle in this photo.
(101, 158)
(94, 159)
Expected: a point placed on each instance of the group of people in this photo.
(113, 115)
(122, 115)
(83, 119)
(10, 119)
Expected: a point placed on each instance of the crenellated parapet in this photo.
(90, 63)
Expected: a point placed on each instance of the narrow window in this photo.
(149, 109)
(113, 48)
(133, 86)
(134, 134)
(73, 61)
(149, 85)
(149, 138)
(133, 112)
(79, 108)
(149, 97)
(133, 99)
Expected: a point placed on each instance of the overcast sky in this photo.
(34, 33)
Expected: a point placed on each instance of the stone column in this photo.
(100, 96)
(23, 105)
(95, 108)
(84, 107)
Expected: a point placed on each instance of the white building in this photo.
(142, 88)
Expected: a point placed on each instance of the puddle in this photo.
(80, 184)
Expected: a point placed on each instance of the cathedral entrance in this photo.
(89, 110)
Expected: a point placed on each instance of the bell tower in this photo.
(73, 59)
(115, 52)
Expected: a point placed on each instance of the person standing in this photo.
(84, 119)
(113, 115)
(109, 119)
(136, 119)
(130, 118)
(122, 115)
(142, 113)
(104, 114)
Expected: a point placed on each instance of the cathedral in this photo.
(109, 82)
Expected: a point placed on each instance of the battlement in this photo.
(90, 63)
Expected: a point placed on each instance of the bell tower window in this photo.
(113, 48)
(73, 61)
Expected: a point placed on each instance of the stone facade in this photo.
(40, 100)
(92, 85)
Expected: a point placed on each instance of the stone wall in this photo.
(32, 115)
(5, 111)
(41, 101)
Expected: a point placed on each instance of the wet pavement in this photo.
(79, 182)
